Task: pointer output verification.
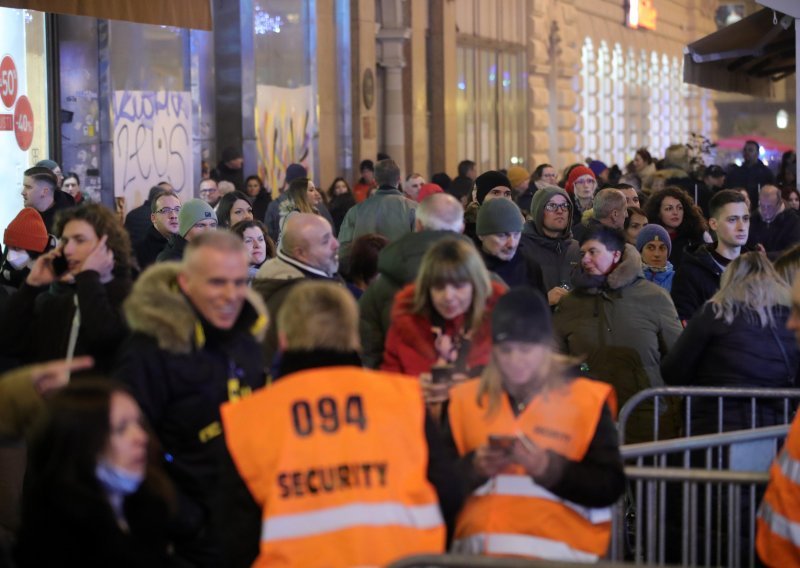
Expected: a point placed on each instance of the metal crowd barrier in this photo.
(660, 398)
(694, 516)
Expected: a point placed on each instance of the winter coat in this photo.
(556, 256)
(620, 310)
(398, 264)
(260, 204)
(223, 173)
(138, 222)
(751, 177)
(661, 277)
(410, 346)
(713, 353)
(339, 206)
(61, 200)
(695, 281)
(777, 235)
(180, 369)
(521, 270)
(388, 212)
(273, 281)
(173, 250)
(40, 320)
(70, 526)
(148, 249)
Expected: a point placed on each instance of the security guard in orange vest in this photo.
(336, 456)
(543, 447)
(778, 523)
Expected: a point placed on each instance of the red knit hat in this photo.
(578, 171)
(27, 231)
(428, 189)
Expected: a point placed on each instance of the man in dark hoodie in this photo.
(697, 278)
(438, 216)
(547, 239)
(230, 168)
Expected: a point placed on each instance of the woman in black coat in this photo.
(71, 301)
(92, 496)
(738, 339)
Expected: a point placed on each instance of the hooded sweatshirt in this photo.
(557, 256)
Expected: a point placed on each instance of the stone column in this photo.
(391, 40)
(415, 100)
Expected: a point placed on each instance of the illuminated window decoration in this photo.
(264, 23)
(633, 98)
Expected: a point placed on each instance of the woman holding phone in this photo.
(539, 446)
(71, 301)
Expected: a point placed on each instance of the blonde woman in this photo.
(738, 339)
(443, 318)
(301, 196)
(539, 446)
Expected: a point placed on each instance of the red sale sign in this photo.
(23, 123)
(8, 81)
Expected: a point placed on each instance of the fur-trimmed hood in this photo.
(156, 307)
(626, 273)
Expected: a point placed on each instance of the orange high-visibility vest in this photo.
(778, 523)
(510, 515)
(337, 459)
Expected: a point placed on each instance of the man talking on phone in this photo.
(343, 463)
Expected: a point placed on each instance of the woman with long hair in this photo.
(738, 339)
(93, 495)
(71, 301)
(259, 196)
(538, 445)
(673, 209)
(302, 196)
(443, 318)
(234, 207)
(340, 200)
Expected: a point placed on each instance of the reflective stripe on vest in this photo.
(789, 467)
(779, 524)
(524, 486)
(347, 516)
(520, 545)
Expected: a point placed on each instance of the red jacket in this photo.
(409, 346)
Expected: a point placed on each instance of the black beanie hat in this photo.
(487, 181)
(522, 314)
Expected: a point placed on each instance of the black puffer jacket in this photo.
(713, 353)
(180, 369)
(696, 280)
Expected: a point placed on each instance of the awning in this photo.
(745, 57)
(195, 14)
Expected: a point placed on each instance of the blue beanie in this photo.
(597, 167)
(295, 171)
(653, 232)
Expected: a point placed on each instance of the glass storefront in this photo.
(24, 136)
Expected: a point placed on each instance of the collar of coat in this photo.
(627, 271)
(156, 307)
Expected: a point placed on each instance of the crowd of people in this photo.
(333, 375)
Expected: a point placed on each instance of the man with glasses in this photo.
(195, 217)
(547, 239)
(209, 192)
(164, 223)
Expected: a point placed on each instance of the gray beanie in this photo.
(498, 216)
(192, 212)
(653, 232)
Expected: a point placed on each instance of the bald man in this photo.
(308, 250)
(773, 226)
